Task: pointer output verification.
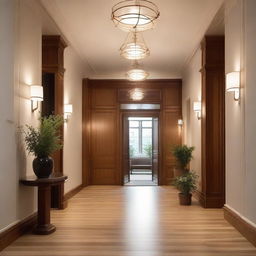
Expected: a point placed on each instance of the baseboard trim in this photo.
(209, 201)
(244, 227)
(73, 192)
(11, 234)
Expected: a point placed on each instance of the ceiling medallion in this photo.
(134, 47)
(136, 94)
(135, 15)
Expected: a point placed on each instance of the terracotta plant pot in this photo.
(177, 171)
(185, 199)
(42, 167)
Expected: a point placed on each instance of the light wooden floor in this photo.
(134, 221)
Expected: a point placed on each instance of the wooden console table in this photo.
(44, 227)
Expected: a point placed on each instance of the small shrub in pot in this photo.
(186, 184)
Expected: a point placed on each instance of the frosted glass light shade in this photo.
(136, 94)
(137, 74)
(36, 93)
(68, 108)
(134, 47)
(180, 122)
(134, 15)
(233, 81)
(197, 106)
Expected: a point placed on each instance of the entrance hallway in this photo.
(134, 221)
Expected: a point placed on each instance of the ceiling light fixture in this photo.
(136, 94)
(137, 73)
(134, 47)
(134, 15)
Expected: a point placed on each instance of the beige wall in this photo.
(191, 91)
(22, 23)
(75, 72)
(240, 32)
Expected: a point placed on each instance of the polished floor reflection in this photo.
(134, 221)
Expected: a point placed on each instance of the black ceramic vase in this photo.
(43, 166)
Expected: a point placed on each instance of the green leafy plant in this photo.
(148, 150)
(186, 183)
(45, 139)
(183, 155)
(131, 151)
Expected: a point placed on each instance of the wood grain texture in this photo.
(102, 162)
(53, 47)
(134, 221)
(213, 122)
(104, 147)
(246, 229)
(17, 230)
(73, 192)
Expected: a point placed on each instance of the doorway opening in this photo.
(141, 137)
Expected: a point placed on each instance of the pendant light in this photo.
(137, 73)
(134, 15)
(136, 94)
(134, 47)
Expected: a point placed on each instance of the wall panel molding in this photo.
(213, 122)
(102, 160)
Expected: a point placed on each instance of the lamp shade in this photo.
(134, 15)
(136, 94)
(134, 47)
(180, 122)
(68, 108)
(233, 81)
(36, 93)
(197, 106)
(137, 74)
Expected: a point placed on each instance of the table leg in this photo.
(44, 227)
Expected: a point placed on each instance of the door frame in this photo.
(140, 113)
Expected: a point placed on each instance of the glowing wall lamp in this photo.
(36, 95)
(180, 122)
(197, 108)
(233, 83)
(68, 109)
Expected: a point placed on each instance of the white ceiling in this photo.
(87, 26)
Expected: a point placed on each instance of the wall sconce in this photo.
(68, 109)
(180, 122)
(36, 95)
(197, 109)
(233, 83)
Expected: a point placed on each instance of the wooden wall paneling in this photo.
(53, 63)
(86, 128)
(213, 122)
(171, 137)
(172, 97)
(104, 147)
(105, 98)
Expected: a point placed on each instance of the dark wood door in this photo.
(126, 155)
(155, 150)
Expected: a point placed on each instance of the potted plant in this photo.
(183, 155)
(186, 184)
(148, 150)
(42, 142)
